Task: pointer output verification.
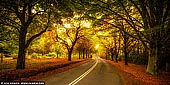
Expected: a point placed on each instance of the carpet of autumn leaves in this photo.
(39, 69)
(136, 75)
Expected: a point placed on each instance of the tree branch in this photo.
(37, 35)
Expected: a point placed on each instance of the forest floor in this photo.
(36, 68)
(136, 75)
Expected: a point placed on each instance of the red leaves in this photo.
(135, 74)
(33, 69)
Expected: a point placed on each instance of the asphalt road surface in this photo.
(95, 72)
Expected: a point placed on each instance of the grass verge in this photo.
(36, 70)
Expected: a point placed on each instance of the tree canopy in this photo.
(122, 28)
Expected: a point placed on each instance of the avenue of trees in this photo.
(129, 30)
(147, 19)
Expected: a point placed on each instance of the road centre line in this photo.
(84, 74)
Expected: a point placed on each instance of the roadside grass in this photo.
(4, 65)
(10, 64)
(33, 67)
(7, 64)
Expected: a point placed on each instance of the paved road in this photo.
(95, 72)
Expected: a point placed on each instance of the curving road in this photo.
(95, 72)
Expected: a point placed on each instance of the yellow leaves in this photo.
(67, 25)
(86, 23)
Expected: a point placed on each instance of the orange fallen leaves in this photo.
(38, 68)
(136, 74)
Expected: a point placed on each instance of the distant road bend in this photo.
(95, 72)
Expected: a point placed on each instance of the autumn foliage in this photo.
(33, 70)
(136, 75)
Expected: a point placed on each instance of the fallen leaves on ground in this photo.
(36, 69)
(136, 75)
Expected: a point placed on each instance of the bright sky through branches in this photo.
(67, 25)
(97, 46)
(86, 23)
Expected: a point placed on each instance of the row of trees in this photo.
(143, 24)
(30, 19)
(144, 20)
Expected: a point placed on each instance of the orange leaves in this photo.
(33, 69)
(135, 74)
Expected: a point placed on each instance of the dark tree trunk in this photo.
(138, 47)
(116, 57)
(86, 54)
(125, 48)
(70, 51)
(21, 59)
(69, 55)
(79, 54)
(117, 52)
(83, 53)
(1, 57)
(22, 50)
(126, 58)
(112, 54)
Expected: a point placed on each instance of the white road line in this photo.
(83, 75)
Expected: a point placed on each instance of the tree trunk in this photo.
(79, 54)
(69, 55)
(116, 57)
(167, 66)
(126, 58)
(86, 54)
(57, 54)
(22, 51)
(106, 55)
(83, 53)
(152, 66)
(2, 57)
(117, 52)
(21, 59)
(125, 54)
(112, 55)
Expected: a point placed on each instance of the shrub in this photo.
(4, 65)
(14, 56)
(136, 58)
(34, 55)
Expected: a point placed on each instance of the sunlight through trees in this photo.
(134, 31)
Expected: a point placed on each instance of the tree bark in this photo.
(126, 55)
(126, 58)
(57, 54)
(117, 52)
(70, 50)
(125, 48)
(83, 53)
(22, 51)
(2, 57)
(79, 54)
(69, 55)
(153, 57)
(112, 54)
(152, 66)
(167, 66)
(86, 54)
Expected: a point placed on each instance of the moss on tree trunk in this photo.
(152, 66)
